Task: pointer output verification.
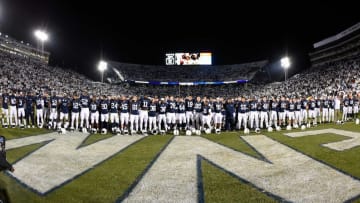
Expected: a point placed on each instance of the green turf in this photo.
(104, 183)
(13, 133)
(222, 187)
(233, 140)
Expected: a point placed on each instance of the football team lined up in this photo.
(123, 115)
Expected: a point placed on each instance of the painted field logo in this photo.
(175, 176)
(61, 159)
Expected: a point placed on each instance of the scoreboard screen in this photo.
(197, 58)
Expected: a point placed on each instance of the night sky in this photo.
(80, 33)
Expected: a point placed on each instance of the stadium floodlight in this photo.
(285, 63)
(41, 35)
(102, 67)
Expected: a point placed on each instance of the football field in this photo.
(319, 164)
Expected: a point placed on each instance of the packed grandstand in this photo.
(142, 98)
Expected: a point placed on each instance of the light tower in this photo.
(102, 67)
(285, 63)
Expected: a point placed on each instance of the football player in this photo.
(274, 106)
(170, 113)
(325, 109)
(282, 111)
(143, 113)
(242, 110)
(94, 114)
(5, 110)
(64, 112)
(152, 114)
(75, 110)
(29, 109)
(114, 115)
(189, 105)
(21, 110)
(162, 114)
(253, 114)
(104, 113)
(53, 110)
(264, 116)
(13, 110)
(312, 112)
(39, 110)
(217, 106)
(84, 114)
(124, 113)
(206, 116)
(197, 112)
(181, 113)
(134, 115)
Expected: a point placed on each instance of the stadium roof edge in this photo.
(337, 36)
(255, 63)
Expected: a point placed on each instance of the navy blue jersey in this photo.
(114, 106)
(317, 103)
(152, 109)
(206, 110)
(265, 106)
(189, 104)
(325, 103)
(93, 107)
(304, 104)
(29, 100)
(53, 102)
(217, 106)
(312, 105)
(198, 107)
(351, 102)
(104, 106)
(39, 103)
(181, 107)
(46, 105)
(134, 107)
(12, 100)
(274, 105)
(253, 106)
(64, 107)
(331, 104)
(84, 101)
(144, 104)
(291, 107)
(243, 107)
(283, 106)
(162, 108)
(124, 106)
(356, 102)
(346, 102)
(171, 106)
(20, 102)
(5, 101)
(297, 106)
(75, 106)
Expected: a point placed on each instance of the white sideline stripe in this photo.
(339, 146)
(292, 176)
(60, 161)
